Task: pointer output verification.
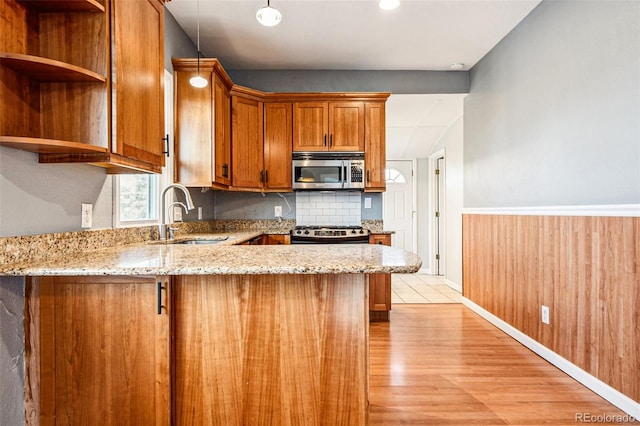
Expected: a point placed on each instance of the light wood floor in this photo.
(441, 364)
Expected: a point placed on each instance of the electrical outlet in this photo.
(545, 314)
(199, 213)
(278, 211)
(177, 214)
(367, 203)
(87, 215)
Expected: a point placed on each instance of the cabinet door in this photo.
(277, 146)
(222, 140)
(193, 130)
(375, 148)
(276, 239)
(346, 126)
(247, 169)
(379, 286)
(138, 79)
(310, 126)
(98, 350)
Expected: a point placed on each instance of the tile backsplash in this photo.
(339, 208)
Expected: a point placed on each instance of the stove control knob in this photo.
(298, 232)
(353, 231)
(306, 232)
(362, 231)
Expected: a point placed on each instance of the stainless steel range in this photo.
(329, 235)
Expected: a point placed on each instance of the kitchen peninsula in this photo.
(202, 334)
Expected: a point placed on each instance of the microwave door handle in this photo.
(344, 176)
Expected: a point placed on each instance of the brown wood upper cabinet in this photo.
(202, 125)
(375, 147)
(247, 159)
(328, 126)
(261, 141)
(75, 69)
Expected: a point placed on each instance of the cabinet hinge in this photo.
(437, 171)
(437, 214)
(437, 257)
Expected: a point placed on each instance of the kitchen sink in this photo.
(215, 240)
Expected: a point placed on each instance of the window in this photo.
(137, 198)
(394, 176)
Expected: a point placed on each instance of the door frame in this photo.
(433, 164)
(414, 198)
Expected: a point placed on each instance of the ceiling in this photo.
(357, 35)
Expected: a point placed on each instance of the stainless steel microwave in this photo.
(328, 170)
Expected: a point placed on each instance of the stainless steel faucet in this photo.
(163, 228)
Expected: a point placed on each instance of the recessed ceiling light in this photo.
(456, 66)
(388, 4)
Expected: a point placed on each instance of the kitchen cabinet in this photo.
(54, 96)
(379, 286)
(328, 126)
(277, 146)
(375, 147)
(247, 157)
(85, 82)
(97, 350)
(202, 125)
(277, 239)
(281, 349)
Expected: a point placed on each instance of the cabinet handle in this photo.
(261, 176)
(225, 170)
(325, 139)
(368, 175)
(380, 242)
(160, 288)
(330, 140)
(166, 144)
(266, 176)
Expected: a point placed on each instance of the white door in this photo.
(397, 203)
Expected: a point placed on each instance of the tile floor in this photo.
(422, 288)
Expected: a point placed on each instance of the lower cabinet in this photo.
(379, 286)
(97, 350)
(277, 239)
(219, 349)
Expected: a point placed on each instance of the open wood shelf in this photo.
(64, 5)
(48, 70)
(49, 146)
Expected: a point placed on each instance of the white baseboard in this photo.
(615, 397)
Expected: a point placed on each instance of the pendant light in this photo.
(198, 81)
(268, 16)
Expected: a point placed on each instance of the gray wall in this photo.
(553, 114)
(412, 82)
(11, 351)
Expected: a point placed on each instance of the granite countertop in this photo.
(225, 257)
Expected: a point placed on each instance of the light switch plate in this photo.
(367, 203)
(87, 215)
(278, 211)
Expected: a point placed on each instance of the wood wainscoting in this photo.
(585, 269)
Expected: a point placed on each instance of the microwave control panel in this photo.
(357, 171)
